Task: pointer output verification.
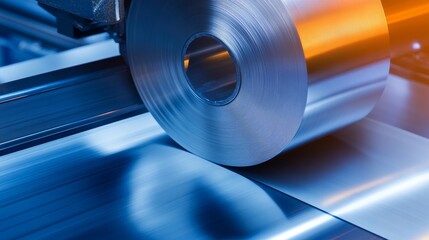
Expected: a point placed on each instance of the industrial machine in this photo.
(90, 147)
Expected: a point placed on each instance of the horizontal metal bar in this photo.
(65, 59)
(29, 9)
(37, 30)
(59, 101)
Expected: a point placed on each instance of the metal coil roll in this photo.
(238, 82)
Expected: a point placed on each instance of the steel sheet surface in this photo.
(238, 82)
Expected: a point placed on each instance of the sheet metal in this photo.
(403, 105)
(300, 65)
(129, 180)
(372, 174)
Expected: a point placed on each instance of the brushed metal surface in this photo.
(57, 102)
(404, 105)
(13, 20)
(373, 174)
(302, 64)
(128, 180)
(70, 58)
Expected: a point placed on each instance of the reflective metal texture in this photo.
(102, 11)
(413, 66)
(371, 174)
(29, 9)
(128, 180)
(30, 30)
(66, 59)
(93, 93)
(303, 69)
(403, 105)
(107, 182)
(61, 94)
(408, 21)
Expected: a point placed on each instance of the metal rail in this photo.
(56, 102)
(13, 22)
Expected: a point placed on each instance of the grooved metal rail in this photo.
(63, 100)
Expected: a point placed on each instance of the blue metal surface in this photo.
(51, 104)
(29, 9)
(62, 60)
(301, 65)
(128, 177)
(374, 174)
(128, 180)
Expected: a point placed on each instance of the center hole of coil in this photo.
(211, 70)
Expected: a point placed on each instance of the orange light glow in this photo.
(186, 62)
(328, 32)
(406, 14)
(219, 56)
